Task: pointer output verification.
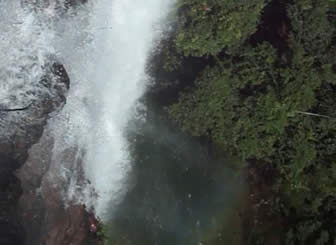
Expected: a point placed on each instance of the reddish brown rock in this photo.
(47, 216)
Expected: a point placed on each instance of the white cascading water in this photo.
(23, 53)
(104, 46)
(113, 72)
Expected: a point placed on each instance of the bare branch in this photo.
(313, 114)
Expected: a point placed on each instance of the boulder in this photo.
(19, 130)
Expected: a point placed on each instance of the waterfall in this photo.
(104, 46)
(107, 73)
(110, 78)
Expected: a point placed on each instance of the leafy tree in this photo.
(260, 103)
(208, 26)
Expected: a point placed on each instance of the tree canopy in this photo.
(267, 93)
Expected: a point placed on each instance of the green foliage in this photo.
(226, 105)
(250, 100)
(208, 26)
(311, 28)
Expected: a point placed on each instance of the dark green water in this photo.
(179, 193)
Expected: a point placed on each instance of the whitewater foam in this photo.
(104, 46)
(107, 73)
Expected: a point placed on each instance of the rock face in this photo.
(18, 132)
(32, 209)
(46, 216)
(11, 231)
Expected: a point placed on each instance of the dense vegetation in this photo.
(263, 88)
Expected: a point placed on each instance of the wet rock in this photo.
(48, 218)
(11, 231)
(58, 5)
(32, 209)
(74, 2)
(19, 130)
(68, 227)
